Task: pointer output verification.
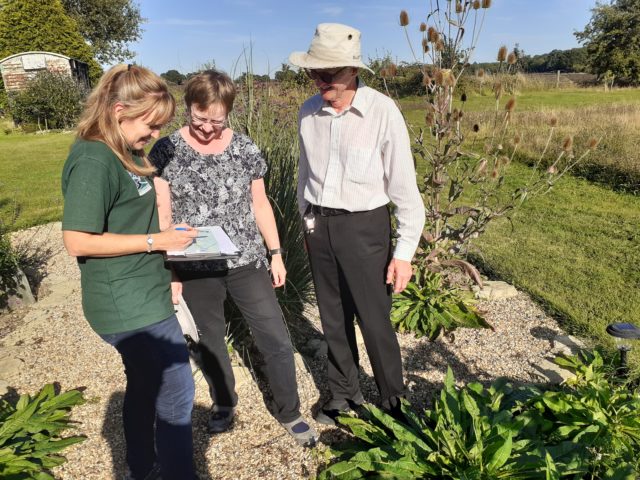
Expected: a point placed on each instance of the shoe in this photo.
(221, 419)
(332, 409)
(303, 433)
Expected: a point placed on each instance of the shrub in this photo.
(8, 267)
(30, 433)
(50, 100)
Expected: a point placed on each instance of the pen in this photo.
(181, 228)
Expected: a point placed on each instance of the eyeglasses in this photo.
(198, 121)
(326, 75)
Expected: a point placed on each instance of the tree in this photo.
(43, 25)
(174, 76)
(612, 40)
(107, 25)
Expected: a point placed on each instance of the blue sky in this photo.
(186, 34)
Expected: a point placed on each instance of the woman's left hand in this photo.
(278, 272)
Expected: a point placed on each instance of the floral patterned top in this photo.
(214, 189)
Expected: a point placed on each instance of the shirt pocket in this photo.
(364, 166)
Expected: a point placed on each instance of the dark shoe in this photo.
(303, 433)
(221, 419)
(332, 409)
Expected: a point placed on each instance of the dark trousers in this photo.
(349, 256)
(158, 400)
(252, 292)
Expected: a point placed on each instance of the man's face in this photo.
(332, 82)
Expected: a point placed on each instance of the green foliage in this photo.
(8, 266)
(427, 307)
(26, 25)
(108, 26)
(612, 40)
(174, 76)
(588, 429)
(50, 99)
(31, 433)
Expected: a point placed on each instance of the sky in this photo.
(187, 34)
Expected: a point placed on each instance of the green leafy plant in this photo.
(427, 307)
(8, 266)
(584, 429)
(30, 433)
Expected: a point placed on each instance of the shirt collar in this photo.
(360, 102)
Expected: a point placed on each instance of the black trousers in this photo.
(349, 256)
(252, 292)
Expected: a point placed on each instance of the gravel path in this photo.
(51, 342)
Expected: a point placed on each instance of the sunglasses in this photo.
(326, 75)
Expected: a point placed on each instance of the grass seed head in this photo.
(423, 27)
(404, 18)
(476, 4)
(502, 53)
(486, 3)
(553, 121)
(567, 143)
(517, 139)
(592, 143)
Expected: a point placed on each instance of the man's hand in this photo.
(399, 273)
(278, 272)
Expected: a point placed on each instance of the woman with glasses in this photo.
(210, 175)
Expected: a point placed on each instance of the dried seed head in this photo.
(512, 58)
(425, 45)
(517, 139)
(459, 7)
(423, 27)
(567, 144)
(384, 73)
(494, 173)
(553, 121)
(488, 148)
(497, 89)
(460, 114)
(430, 119)
(463, 97)
(432, 35)
(486, 3)
(503, 160)
(404, 18)
(392, 70)
(480, 73)
(552, 170)
(426, 79)
(439, 77)
(592, 143)
(440, 46)
(482, 167)
(476, 4)
(502, 53)
(499, 147)
(511, 104)
(476, 127)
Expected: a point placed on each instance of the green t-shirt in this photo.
(122, 293)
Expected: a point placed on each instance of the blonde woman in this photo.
(210, 175)
(110, 224)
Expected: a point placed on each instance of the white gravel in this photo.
(54, 343)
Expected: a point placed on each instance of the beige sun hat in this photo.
(333, 45)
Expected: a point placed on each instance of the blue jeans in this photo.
(158, 400)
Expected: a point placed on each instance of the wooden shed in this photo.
(18, 69)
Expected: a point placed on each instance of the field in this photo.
(576, 249)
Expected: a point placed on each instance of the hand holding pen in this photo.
(176, 237)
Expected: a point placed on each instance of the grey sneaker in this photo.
(221, 419)
(302, 432)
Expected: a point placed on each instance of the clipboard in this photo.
(212, 243)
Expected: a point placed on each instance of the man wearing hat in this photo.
(355, 158)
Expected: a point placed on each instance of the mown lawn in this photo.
(30, 167)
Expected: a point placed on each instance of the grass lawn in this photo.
(30, 168)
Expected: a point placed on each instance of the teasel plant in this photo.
(466, 161)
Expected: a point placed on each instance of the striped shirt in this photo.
(360, 159)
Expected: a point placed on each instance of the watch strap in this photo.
(277, 251)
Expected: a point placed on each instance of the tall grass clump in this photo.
(268, 115)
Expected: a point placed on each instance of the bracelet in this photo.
(276, 251)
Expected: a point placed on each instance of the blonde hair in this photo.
(142, 93)
(208, 88)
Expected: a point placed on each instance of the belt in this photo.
(327, 211)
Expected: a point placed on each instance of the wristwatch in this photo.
(276, 251)
(149, 243)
